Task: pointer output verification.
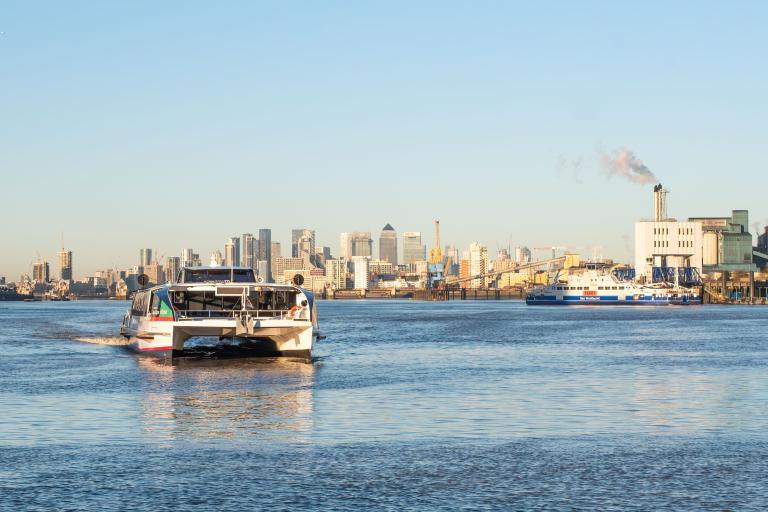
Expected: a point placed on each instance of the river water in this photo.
(407, 405)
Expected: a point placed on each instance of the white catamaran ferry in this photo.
(224, 302)
(595, 285)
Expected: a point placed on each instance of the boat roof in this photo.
(216, 267)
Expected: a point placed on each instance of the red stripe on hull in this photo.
(154, 348)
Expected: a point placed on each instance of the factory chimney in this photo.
(659, 202)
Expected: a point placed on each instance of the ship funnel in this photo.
(659, 202)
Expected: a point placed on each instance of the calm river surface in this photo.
(408, 405)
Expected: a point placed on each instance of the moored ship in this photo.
(9, 293)
(597, 284)
(222, 302)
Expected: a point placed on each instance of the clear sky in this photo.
(169, 125)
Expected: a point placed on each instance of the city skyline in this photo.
(159, 254)
(496, 122)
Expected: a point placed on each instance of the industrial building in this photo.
(666, 247)
(706, 250)
(727, 243)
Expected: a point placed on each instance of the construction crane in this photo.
(435, 268)
(436, 254)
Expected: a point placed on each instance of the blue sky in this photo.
(136, 124)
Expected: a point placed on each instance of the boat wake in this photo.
(104, 340)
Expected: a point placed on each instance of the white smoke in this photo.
(623, 162)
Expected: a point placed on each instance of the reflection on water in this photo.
(226, 399)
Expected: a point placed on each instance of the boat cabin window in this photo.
(139, 305)
(268, 302)
(218, 275)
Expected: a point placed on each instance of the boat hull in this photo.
(166, 340)
(609, 301)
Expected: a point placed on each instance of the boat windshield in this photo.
(218, 275)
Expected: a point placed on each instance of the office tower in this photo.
(388, 244)
(356, 243)
(172, 266)
(345, 250)
(305, 246)
(264, 254)
(232, 252)
(41, 271)
(248, 247)
(155, 273)
(187, 257)
(216, 258)
(145, 257)
(361, 272)
(277, 252)
(362, 245)
(452, 260)
(296, 235)
(336, 273)
(65, 265)
(322, 255)
(478, 263)
(413, 251)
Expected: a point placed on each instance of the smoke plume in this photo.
(623, 162)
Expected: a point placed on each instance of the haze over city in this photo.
(142, 125)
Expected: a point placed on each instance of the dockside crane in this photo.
(435, 268)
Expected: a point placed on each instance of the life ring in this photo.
(293, 312)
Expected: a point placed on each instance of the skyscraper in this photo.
(388, 244)
(65, 265)
(145, 257)
(345, 248)
(172, 266)
(265, 254)
(336, 273)
(322, 254)
(232, 252)
(361, 272)
(249, 251)
(41, 271)
(362, 245)
(356, 243)
(306, 246)
(478, 263)
(413, 251)
(187, 257)
(296, 235)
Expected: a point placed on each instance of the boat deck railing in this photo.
(256, 314)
